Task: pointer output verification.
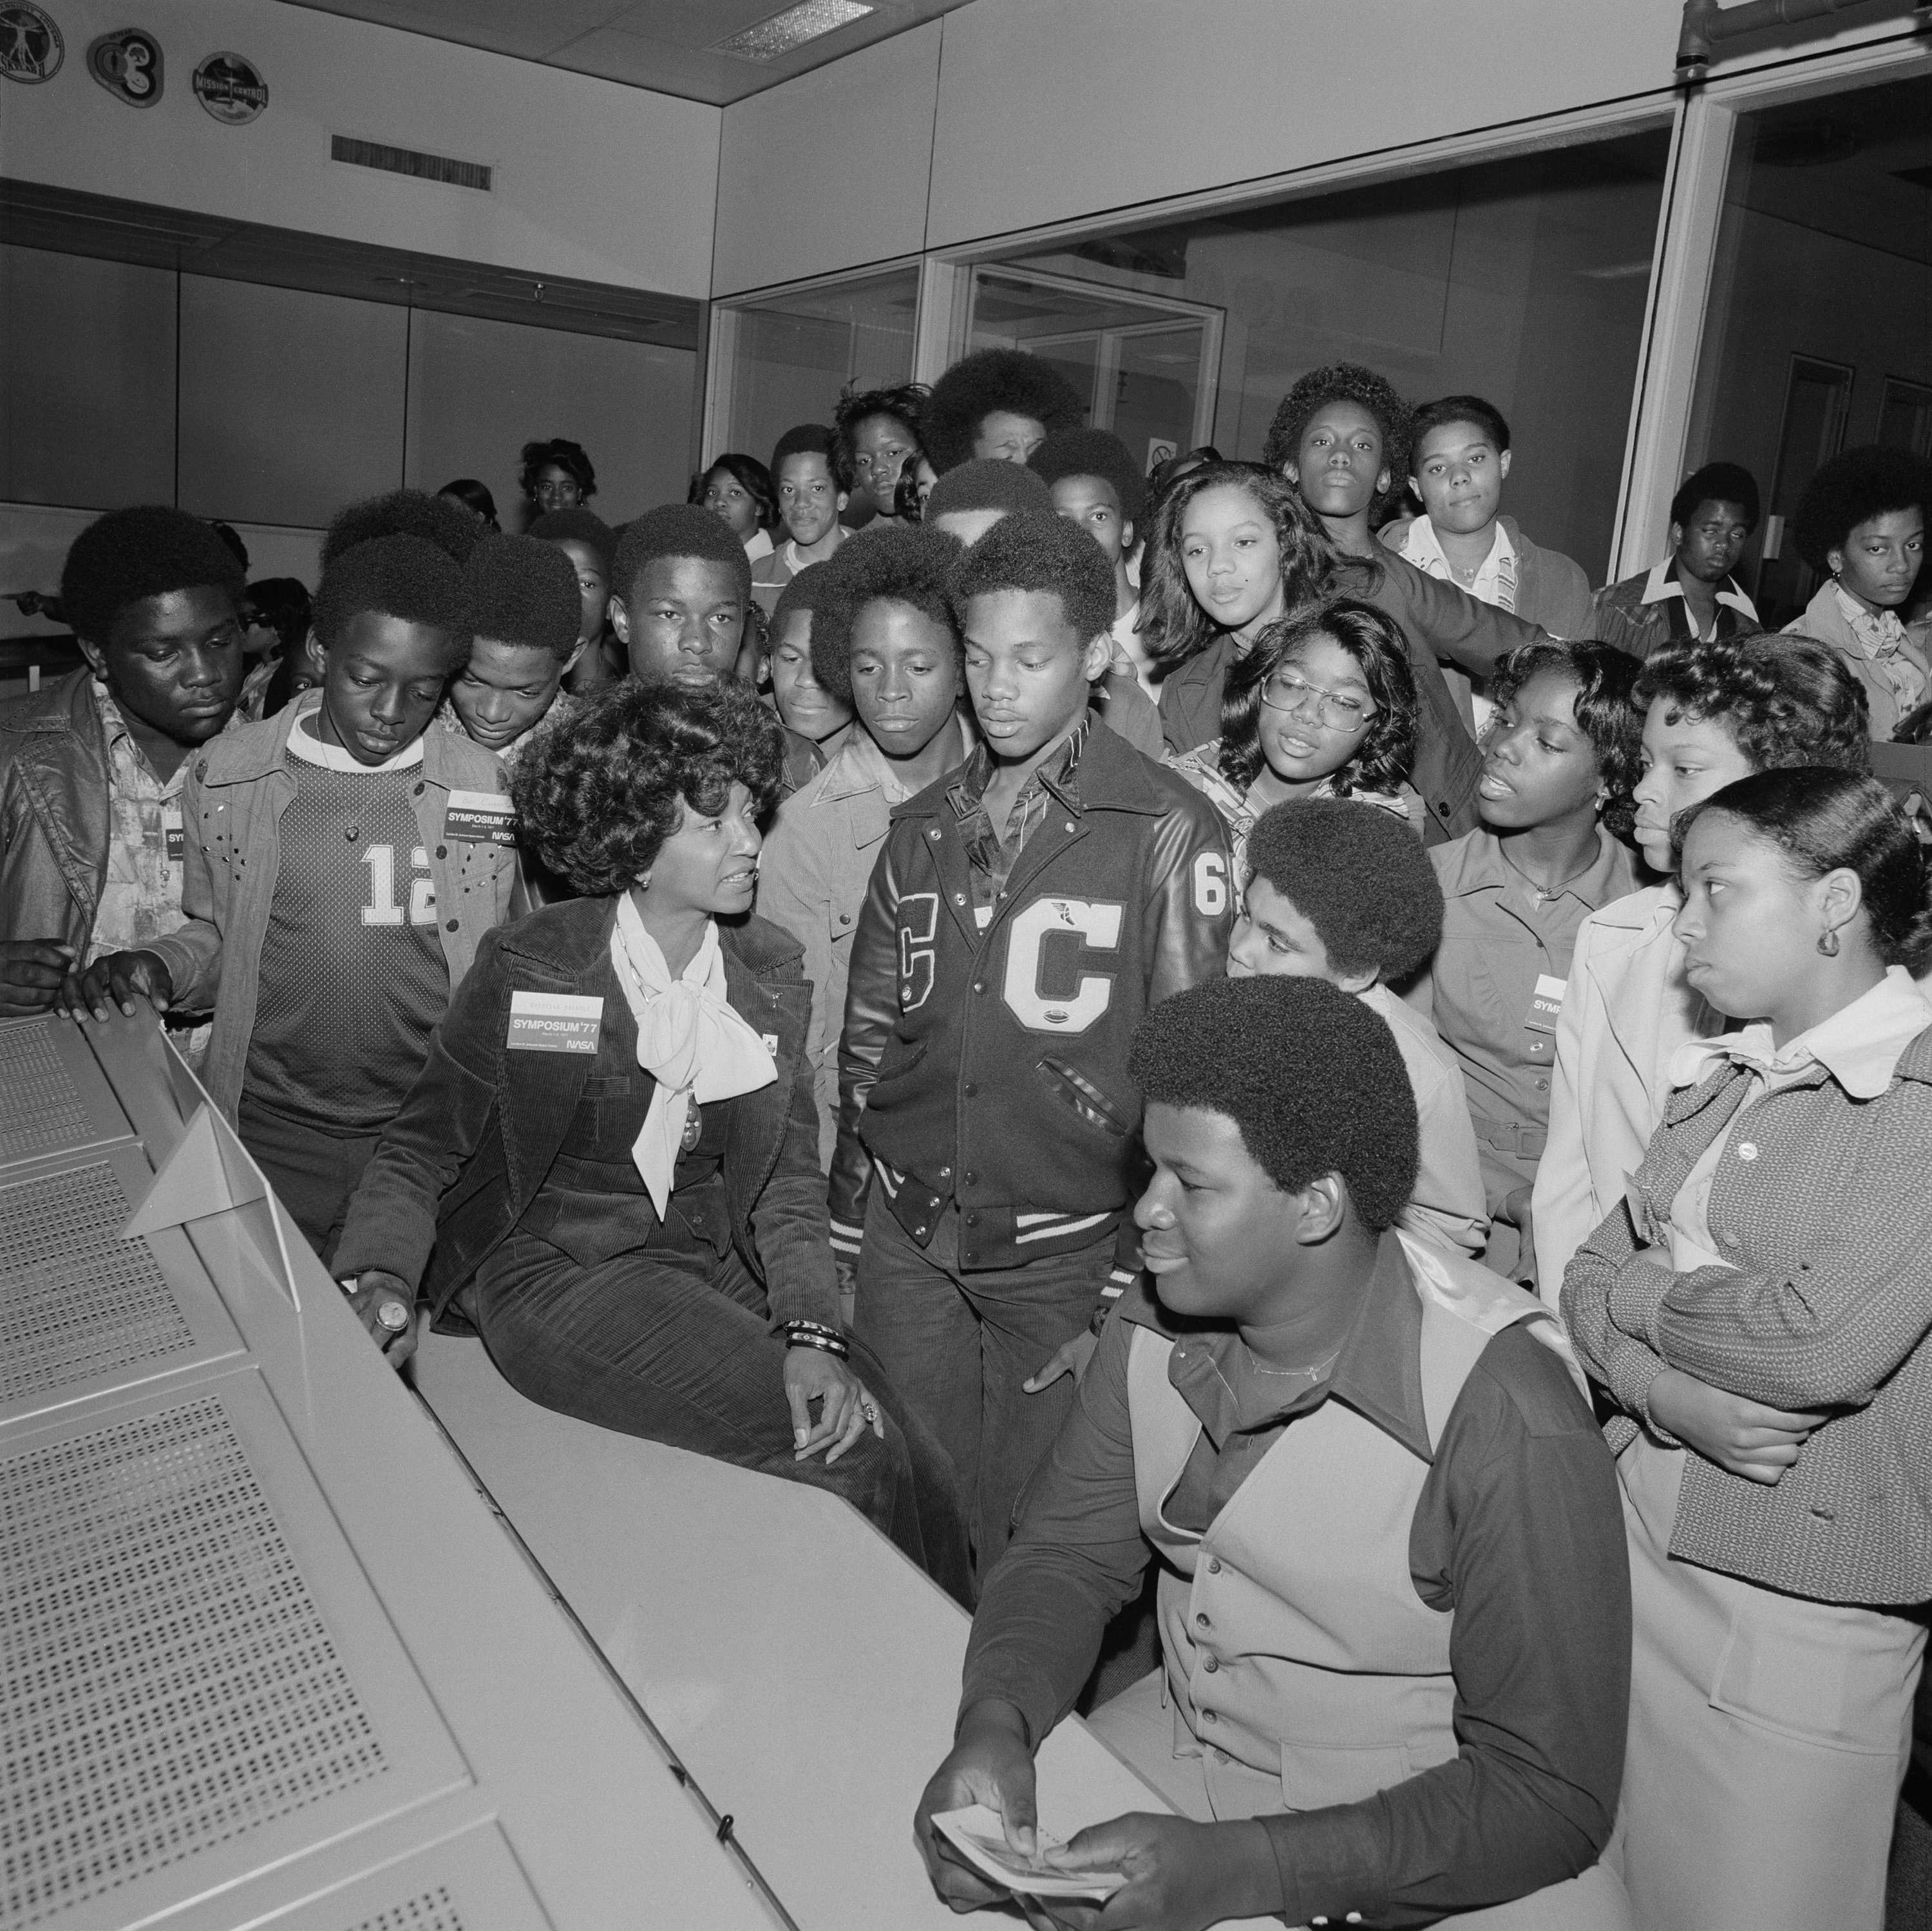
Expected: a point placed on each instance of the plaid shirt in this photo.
(991, 850)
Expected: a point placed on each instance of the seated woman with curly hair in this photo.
(613, 1150)
(1323, 705)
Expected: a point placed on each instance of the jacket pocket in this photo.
(1083, 1099)
(1314, 1775)
(892, 1068)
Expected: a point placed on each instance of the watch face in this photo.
(31, 46)
(128, 65)
(232, 88)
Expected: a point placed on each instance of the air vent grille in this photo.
(410, 161)
(76, 1299)
(432, 1911)
(43, 1109)
(167, 1683)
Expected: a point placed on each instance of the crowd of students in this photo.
(1198, 1022)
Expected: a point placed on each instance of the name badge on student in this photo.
(553, 1022)
(480, 818)
(1546, 1004)
(174, 836)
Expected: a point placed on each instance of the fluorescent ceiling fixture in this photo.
(793, 28)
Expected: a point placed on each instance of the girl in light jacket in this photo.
(1756, 1312)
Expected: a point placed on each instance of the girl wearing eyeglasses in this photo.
(1560, 759)
(1322, 706)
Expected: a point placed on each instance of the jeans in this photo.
(671, 1343)
(312, 1172)
(958, 1345)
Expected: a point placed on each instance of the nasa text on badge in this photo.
(231, 89)
(31, 46)
(128, 65)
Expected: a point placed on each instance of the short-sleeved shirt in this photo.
(1498, 979)
(353, 979)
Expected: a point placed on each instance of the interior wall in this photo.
(1074, 110)
(594, 180)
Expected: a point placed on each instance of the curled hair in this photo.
(1446, 410)
(1034, 550)
(1093, 452)
(677, 530)
(755, 478)
(890, 565)
(806, 438)
(1854, 486)
(807, 589)
(1824, 821)
(986, 483)
(474, 496)
(986, 384)
(524, 591)
(1388, 750)
(1784, 700)
(1311, 1076)
(904, 403)
(564, 454)
(1604, 678)
(597, 801)
(129, 555)
(402, 513)
(1174, 625)
(1343, 381)
(1716, 483)
(908, 503)
(1361, 878)
(400, 576)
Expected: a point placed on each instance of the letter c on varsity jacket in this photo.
(1098, 925)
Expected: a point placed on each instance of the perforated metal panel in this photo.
(167, 1683)
(44, 1109)
(76, 1299)
(432, 1911)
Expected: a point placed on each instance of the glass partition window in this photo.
(784, 359)
(1818, 333)
(1524, 281)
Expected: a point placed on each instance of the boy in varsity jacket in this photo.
(1024, 913)
(342, 864)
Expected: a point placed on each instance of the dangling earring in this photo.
(1828, 942)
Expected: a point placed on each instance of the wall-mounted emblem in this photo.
(128, 65)
(231, 89)
(31, 46)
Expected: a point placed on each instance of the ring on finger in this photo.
(394, 1316)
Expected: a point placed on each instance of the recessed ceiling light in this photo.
(793, 28)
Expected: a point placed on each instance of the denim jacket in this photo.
(477, 1135)
(231, 806)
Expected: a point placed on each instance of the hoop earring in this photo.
(1828, 943)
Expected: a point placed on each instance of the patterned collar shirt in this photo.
(1495, 581)
(993, 851)
(1891, 652)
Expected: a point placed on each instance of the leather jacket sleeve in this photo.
(871, 1011)
(1190, 899)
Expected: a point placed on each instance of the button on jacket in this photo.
(990, 1068)
(1827, 1302)
(237, 790)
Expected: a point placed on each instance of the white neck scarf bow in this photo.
(690, 1040)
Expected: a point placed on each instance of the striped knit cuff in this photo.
(847, 1240)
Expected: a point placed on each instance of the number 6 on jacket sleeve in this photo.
(1210, 884)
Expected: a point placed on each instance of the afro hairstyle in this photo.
(577, 526)
(906, 566)
(904, 403)
(808, 439)
(808, 590)
(1034, 550)
(397, 577)
(678, 530)
(1716, 483)
(1784, 700)
(1311, 1076)
(985, 384)
(558, 452)
(1604, 707)
(1854, 486)
(596, 802)
(1343, 381)
(986, 483)
(1092, 452)
(523, 591)
(403, 512)
(1361, 878)
(145, 551)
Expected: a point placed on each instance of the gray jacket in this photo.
(53, 813)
